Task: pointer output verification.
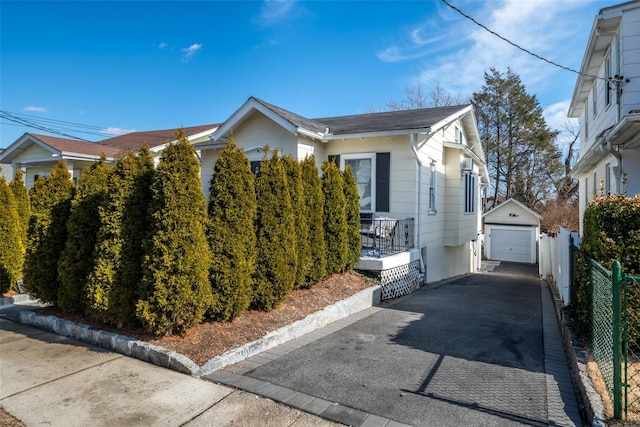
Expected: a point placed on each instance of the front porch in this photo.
(388, 250)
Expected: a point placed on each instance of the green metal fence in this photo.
(614, 331)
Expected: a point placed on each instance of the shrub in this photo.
(314, 210)
(77, 258)
(50, 205)
(293, 171)
(335, 218)
(352, 211)
(23, 205)
(275, 230)
(114, 284)
(11, 248)
(175, 290)
(231, 233)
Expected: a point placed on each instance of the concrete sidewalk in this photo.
(47, 379)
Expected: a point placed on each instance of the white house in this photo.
(36, 154)
(606, 99)
(512, 233)
(424, 165)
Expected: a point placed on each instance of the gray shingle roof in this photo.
(388, 121)
(368, 123)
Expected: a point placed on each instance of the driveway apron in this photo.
(469, 351)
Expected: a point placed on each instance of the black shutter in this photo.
(383, 172)
(335, 158)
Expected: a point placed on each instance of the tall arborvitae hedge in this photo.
(77, 258)
(352, 210)
(314, 212)
(293, 171)
(113, 285)
(11, 247)
(275, 229)
(50, 205)
(23, 205)
(176, 291)
(231, 233)
(335, 218)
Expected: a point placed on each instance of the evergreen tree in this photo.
(314, 210)
(23, 205)
(176, 291)
(352, 210)
(293, 171)
(231, 233)
(50, 205)
(113, 287)
(335, 218)
(11, 248)
(519, 147)
(275, 230)
(77, 258)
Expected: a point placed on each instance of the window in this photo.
(469, 192)
(586, 121)
(432, 187)
(594, 99)
(586, 192)
(459, 135)
(607, 179)
(255, 166)
(363, 167)
(607, 75)
(595, 188)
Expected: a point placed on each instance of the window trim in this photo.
(361, 156)
(433, 189)
(470, 192)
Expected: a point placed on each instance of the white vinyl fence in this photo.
(555, 261)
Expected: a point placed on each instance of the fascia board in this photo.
(67, 155)
(244, 112)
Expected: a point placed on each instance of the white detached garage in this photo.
(512, 232)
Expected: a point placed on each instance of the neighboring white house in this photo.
(426, 165)
(512, 233)
(606, 99)
(36, 154)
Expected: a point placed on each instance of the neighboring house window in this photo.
(607, 75)
(607, 179)
(586, 121)
(432, 187)
(372, 174)
(586, 192)
(469, 192)
(595, 180)
(594, 99)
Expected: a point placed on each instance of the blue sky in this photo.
(112, 67)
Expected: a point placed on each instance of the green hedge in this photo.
(11, 246)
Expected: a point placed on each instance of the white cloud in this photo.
(116, 131)
(33, 109)
(457, 52)
(274, 11)
(163, 45)
(190, 51)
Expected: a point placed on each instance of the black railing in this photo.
(383, 236)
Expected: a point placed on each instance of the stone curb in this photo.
(590, 398)
(170, 359)
(341, 309)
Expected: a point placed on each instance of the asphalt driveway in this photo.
(469, 351)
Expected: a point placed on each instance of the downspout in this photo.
(423, 270)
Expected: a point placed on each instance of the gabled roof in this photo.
(58, 147)
(135, 140)
(325, 129)
(515, 202)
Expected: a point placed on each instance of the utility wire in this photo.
(10, 117)
(526, 50)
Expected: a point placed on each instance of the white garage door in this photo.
(513, 245)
